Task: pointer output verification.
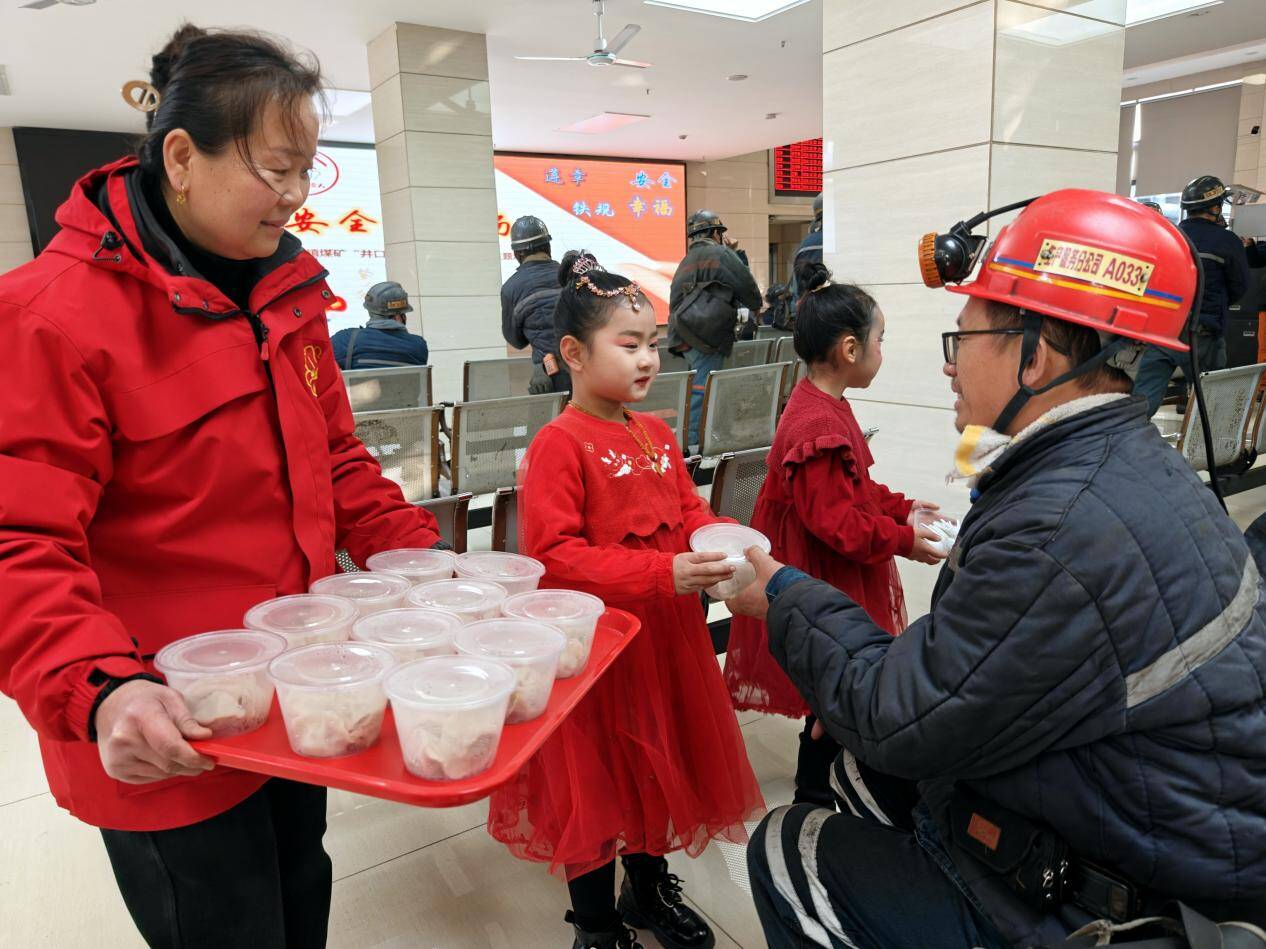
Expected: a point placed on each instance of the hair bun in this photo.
(812, 276)
(165, 61)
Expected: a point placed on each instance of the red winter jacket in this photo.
(161, 471)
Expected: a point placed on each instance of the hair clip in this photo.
(141, 95)
(584, 263)
(822, 286)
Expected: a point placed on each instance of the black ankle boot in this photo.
(650, 898)
(618, 938)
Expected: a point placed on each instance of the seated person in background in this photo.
(1083, 707)
(383, 341)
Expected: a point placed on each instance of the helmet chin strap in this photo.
(1028, 349)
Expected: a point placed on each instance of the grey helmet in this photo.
(704, 222)
(387, 299)
(528, 233)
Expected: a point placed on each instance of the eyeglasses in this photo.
(951, 341)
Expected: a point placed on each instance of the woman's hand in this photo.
(142, 729)
(693, 573)
(752, 601)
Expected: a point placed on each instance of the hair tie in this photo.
(822, 286)
(141, 95)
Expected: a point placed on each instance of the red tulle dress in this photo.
(823, 514)
(652, 760)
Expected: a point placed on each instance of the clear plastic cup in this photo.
(370, 592)
(304, 619)
(331, 696)
(530, 649)
(415, 564)
(733, 541)
(410, 632)
(450, 711)
(223, 677)
(518, 574)
(574, 614)
(470, 599)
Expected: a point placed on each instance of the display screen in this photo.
(798, 168)
(341, 226)
(50, 161)
(630, 214)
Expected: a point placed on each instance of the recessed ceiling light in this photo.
(603, 122)
(737, 77)
(752, 11)
(771, 115)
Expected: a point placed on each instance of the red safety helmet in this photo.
(1088, 257)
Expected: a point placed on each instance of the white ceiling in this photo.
(67, 64)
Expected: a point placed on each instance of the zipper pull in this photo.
(263, 341)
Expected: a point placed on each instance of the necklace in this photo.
(637, 431)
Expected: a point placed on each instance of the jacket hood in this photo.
(105, 223)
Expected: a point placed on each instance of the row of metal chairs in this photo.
(486, 440)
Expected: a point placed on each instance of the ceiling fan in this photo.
(45, 4)
(604, 53)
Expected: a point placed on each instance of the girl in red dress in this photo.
(822, 512)
(652, 760)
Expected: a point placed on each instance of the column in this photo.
(1250, 151)
(15, 231)
(934, 110)
(433, 129)
(738, 190)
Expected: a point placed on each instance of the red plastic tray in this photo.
(380, 772)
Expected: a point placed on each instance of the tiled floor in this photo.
(403, 877)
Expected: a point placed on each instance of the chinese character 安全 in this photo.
(552, 177)
(662, 208)
(637, 206)
(356, 220)
(666, 181)
(604, 209)
(305, 220)
(577, 176)
(581, 209)
(641, 180)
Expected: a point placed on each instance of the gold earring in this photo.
(180, 196)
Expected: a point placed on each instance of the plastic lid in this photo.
(410, 561)
(413, 626)
(363, 586)
(494, 565)
(451, 681)
(462, 595)
(552, 606)
(332, 665)
(729, 539)
(227, 650)
(301, 613)
(515, 641)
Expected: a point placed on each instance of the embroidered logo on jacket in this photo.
(620, 465)
(311, 367)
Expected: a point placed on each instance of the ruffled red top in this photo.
(652, 759)
(824, 514)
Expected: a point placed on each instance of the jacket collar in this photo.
(1093, 417)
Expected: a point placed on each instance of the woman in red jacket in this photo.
(175, 446)
(822, 511)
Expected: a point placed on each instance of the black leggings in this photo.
(256, 875)
(593, 894)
